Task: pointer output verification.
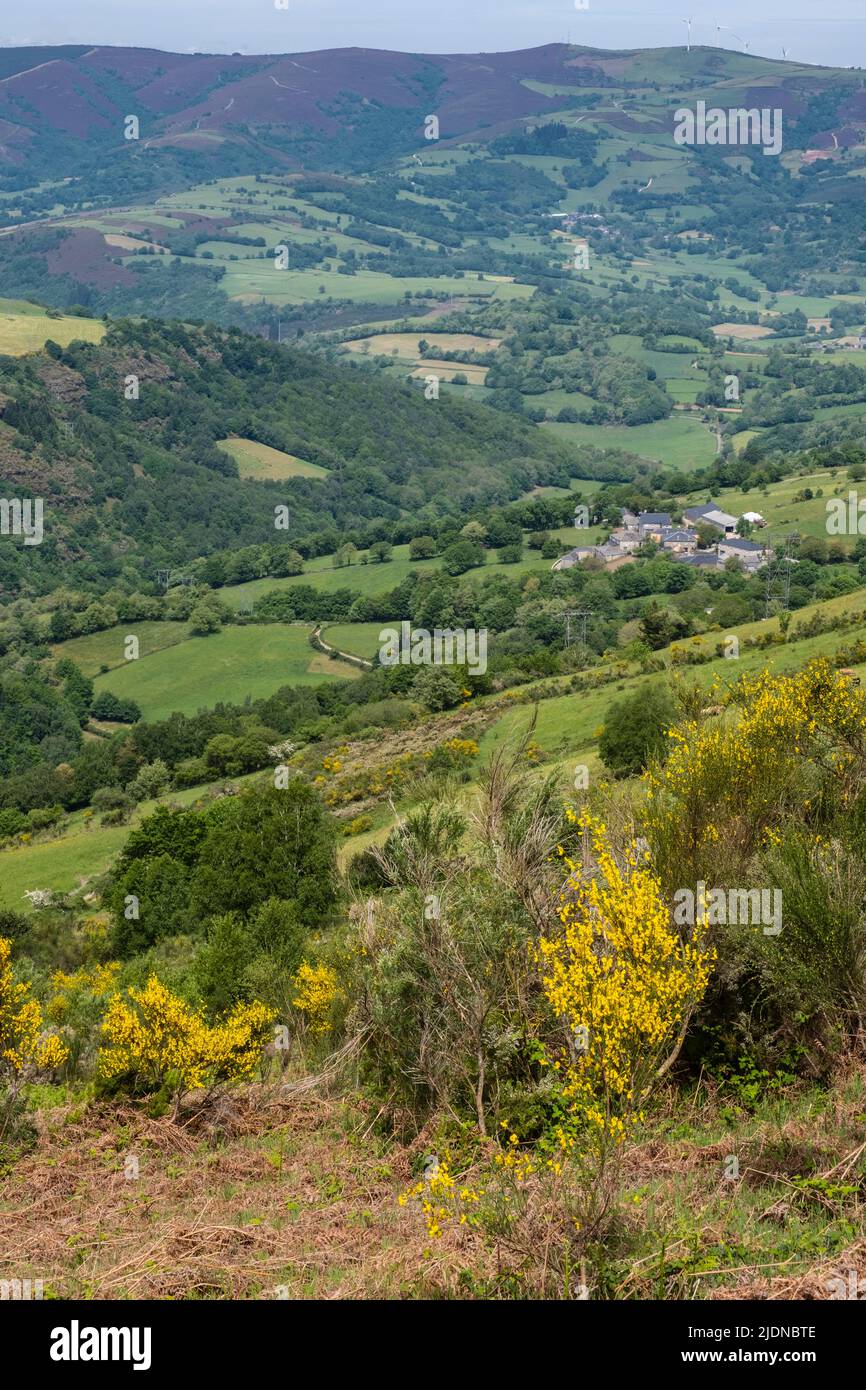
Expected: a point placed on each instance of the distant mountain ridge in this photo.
(86, 93)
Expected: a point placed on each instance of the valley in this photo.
(376, 970)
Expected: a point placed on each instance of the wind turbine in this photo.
(736, 36)
(688, 23)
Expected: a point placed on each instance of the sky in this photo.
(831, 32)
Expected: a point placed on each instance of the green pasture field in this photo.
(679, 442)
(26, 328)
(360, 639)
(106, 649)
(566, 728)
(260, 280)
(83, 851)
(260, 461)
(775, 503)
(226, 666)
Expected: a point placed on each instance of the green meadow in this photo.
(374, 579)
(681, 441)
(227, 666)
(360, 639)
(26, 328)
(776, 505)
(99, 651)
(565, 727)
(260, 461)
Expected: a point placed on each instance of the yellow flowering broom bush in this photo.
(96, 981)
(155, 1038)
(798, 747)
(317, 990)
(623, 981)
(24, 1045)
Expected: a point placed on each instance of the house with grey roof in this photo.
(749, 553)
(702, 559)
(574, 557)
(680, 540)
(650, 525)
(712, 515)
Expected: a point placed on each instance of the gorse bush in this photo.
(27, 1049)
(770, 795)
(316, 993)
(76, 1004)
(25, 1045)
(797, 748)
(152, 1039)
(623, 982)
(438, 968)
(814, 992)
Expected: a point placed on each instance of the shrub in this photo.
(113, 707)
(623, 982)
(150, 781)
(798, 748)
(12, 822)
(635, 730)
(436, 689)
(317, 991)
(510, 554)
(26, 1049)
(77, 1005)
(154, 1040)
(13, 924)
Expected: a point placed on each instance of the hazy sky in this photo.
(828, 31)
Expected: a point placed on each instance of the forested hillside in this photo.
(133, 479)
(432, 661)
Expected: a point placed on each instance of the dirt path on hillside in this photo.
(323, 646)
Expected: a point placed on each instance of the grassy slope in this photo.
(679, 442)
(256, 460)
(360, 639)
(294, 1198)
(100, 649)
(227, 666)
(780, 512)
(566, 730)
(375, 579)
(26, 328)
(83, 851)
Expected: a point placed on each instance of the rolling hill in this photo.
(149, 478)
(236, 153)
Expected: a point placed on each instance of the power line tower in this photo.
(576, 615)
(780, 568)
